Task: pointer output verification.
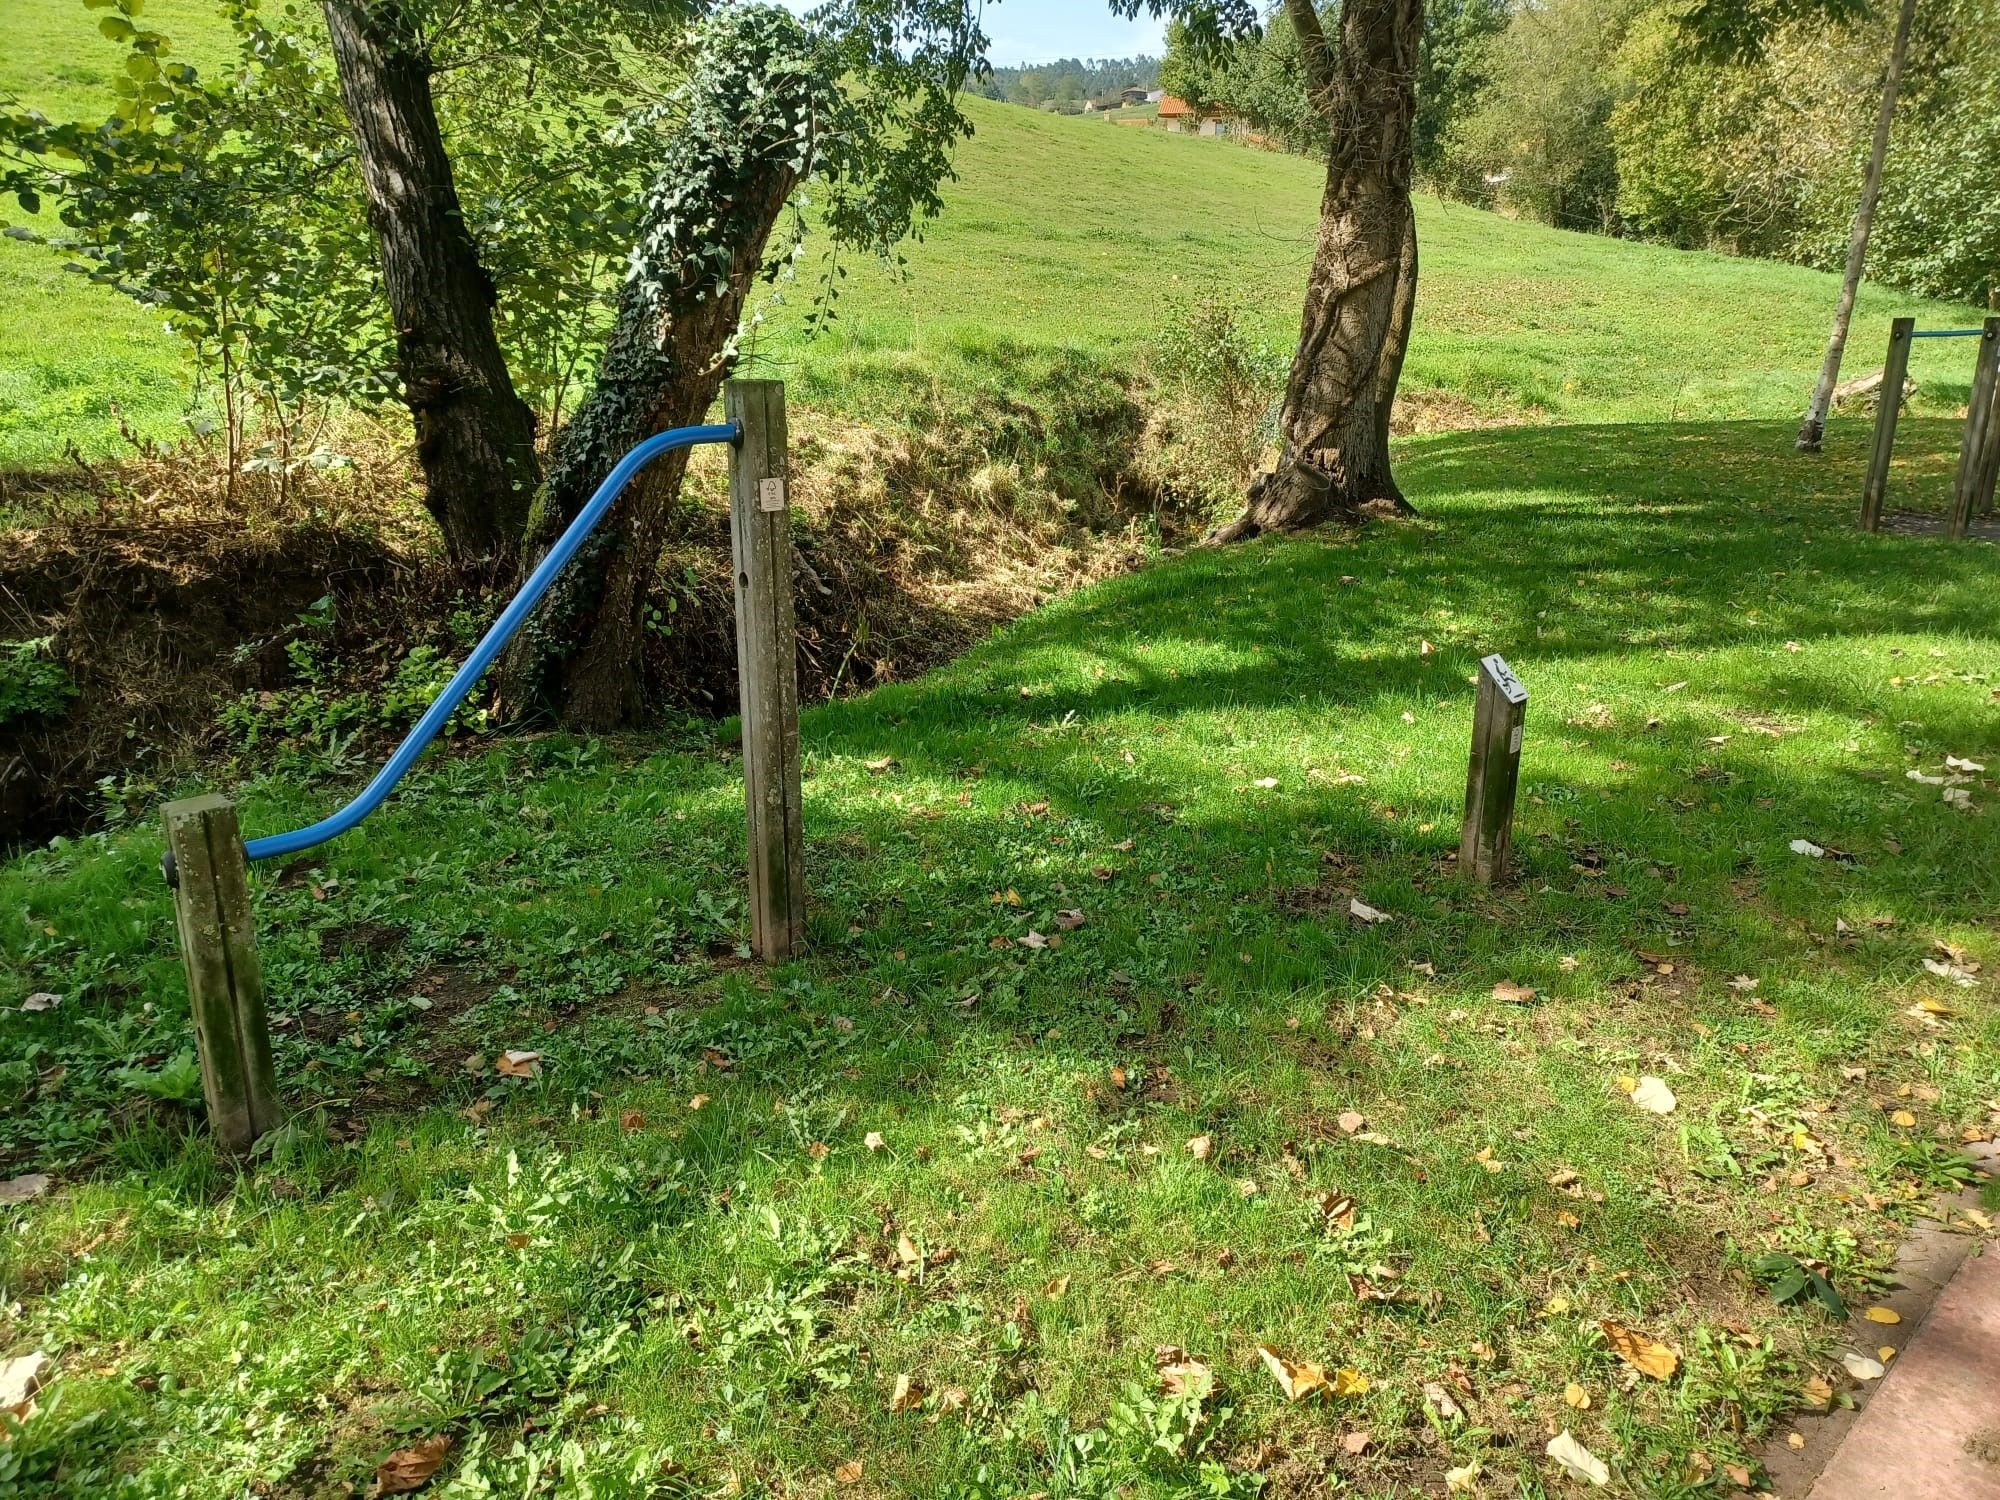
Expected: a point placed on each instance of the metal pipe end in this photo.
(170, 871)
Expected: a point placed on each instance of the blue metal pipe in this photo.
(1947, 333)
(490, 646)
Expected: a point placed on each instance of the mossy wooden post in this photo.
(1989, 471)
(767, 666)
(1888, 412)
(1494, 774)
(211, 882)
(1966, 498)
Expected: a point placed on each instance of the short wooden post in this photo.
(1888, 412)
(1979, 419)
(767, 665)
(211, 883)
(1989, 474)
(1495, 772)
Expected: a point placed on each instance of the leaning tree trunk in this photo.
(475, 435)
(749, 110)
(1812, 431)
(1334, 459)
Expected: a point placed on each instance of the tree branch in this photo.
(1315, 50)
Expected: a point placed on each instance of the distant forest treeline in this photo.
(1069, 82)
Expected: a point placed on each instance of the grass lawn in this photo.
(1080, 902)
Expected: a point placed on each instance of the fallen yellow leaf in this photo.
(1648, 1356)
(1296, 1378)
(1576, 1396)
(1201, 1148)
(1883, 1315)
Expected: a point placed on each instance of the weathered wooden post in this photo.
(1989, 473)
(1888, 412)
(210, 876)
(767, 663)
(1495, 772)
(1966, 493)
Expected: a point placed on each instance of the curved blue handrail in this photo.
(491, 644)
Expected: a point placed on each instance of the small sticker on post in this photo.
(1514, 748)
(770, 494)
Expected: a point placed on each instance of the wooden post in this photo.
(1495, 772)
(211, 882)
(1979, 419)
(1888, 411)
(767, 665)
(1989, 473)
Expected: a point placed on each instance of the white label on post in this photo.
(770, 494)
(1515, 747)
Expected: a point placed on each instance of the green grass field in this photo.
(674, 1259)
(1089, 1071)
(1071, 235)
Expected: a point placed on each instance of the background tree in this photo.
(1741, 31)
(1539, 135)
(1334, 423)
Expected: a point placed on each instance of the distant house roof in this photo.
(1173, 109)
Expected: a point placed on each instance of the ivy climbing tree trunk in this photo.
(1812, 431)
(475, 435)
(745, 144)
(1334, 427)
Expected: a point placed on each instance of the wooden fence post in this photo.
(1494, 774)
(1979, 420)
(767, 665)
(1888, 411)
(211, 882)
(1989, 473)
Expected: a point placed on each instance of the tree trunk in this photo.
(707, 220)
(1812, 432)
(475, 435)
(1334, 462)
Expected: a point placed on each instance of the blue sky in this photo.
(1034, 31)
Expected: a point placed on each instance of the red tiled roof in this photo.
(1170, 107)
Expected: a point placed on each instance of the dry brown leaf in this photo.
(698, 1102)
(1350, 1121)
(1201, 1148)
(906, 1397)
(1298, 1379)
(1576, 1396)
(1510, 993)
(410, 1469)
(632, 1119)
(1818, 1391)
(849, 1473)
(873, 1140)
(1187, 1377)
(1056, 1288)
(1354, 1444)
(1646, 1355)
(515, 1064)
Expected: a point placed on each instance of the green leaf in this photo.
(117, 28)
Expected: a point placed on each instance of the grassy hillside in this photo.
(1069, 236)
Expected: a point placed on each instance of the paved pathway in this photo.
(1932, 1431)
